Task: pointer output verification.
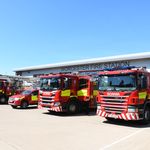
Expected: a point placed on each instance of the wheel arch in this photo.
(24, 100)
(146, 104)
(73, 101)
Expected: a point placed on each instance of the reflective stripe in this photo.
(128, 116)
(34, 98)
(57, 109)
(142, 95)
(1, 91)
(123, 116)
(82, 93)
(95, 92)
(137, 116)
(65, 93)
(133, 117)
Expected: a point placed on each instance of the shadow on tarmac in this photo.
(134, 124)
(28, 108)
(65, 114)
(3, 103)
(117, 122)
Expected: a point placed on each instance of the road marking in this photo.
(122, 139)
(10, 145)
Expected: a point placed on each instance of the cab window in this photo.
(142, 81)
(67, 83)
(35, 93)
(83, 83)
(95, 82)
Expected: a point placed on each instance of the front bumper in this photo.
(14, 103)
(56, 109)
(51, 107)
(124, 116)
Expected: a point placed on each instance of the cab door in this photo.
(34, 97)
(143, 85)
(66, 88)
(84, 89)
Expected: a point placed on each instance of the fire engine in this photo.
(24, 99)
(8, 87)
(124, 93)
(67, 92)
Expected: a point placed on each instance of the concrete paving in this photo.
(36, 129)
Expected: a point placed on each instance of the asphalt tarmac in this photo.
(37, 129)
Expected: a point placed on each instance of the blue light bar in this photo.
(119, 68)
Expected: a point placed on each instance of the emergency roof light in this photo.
(119, 68)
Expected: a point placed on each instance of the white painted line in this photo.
(8, 145)
(122, 139)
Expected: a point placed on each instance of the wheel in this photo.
(3, 100)
(13, 106)
(146, 115)
(72, 107)
(24, 104)
(87, 107)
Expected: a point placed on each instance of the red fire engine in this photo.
(124, 93)
(8, 87)
(67, 92)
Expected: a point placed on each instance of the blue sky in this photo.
(38, 32)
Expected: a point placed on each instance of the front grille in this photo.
(46, 100)
(114, 104)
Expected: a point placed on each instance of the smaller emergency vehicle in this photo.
(24, 99)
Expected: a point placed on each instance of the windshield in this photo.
(27, 92)
(117, 82)
(1, 84)
(50, 84)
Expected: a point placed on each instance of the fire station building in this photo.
(88, 66)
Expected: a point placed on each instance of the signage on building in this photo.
(98, 66)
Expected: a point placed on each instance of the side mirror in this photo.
(143, 82)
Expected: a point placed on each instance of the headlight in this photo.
(16, 99)
(10, 99)
(99, 107)
(40, 92)
(57, 104)
(132, 109)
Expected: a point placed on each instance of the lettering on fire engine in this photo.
(98, 66)
(113, 93)
(46, 93)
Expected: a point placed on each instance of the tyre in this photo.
(146, 115)
(24, 104)
(3, 100)
(72, 107)
(13, 106)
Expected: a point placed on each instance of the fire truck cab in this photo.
(124, 93)
(66, 92)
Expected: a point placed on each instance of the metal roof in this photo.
(134, 56)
